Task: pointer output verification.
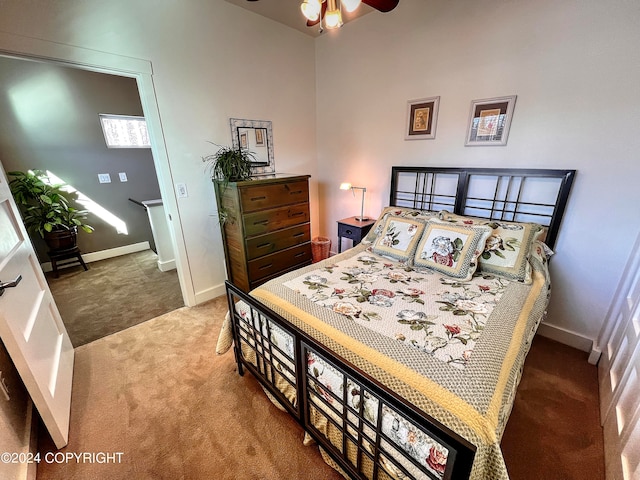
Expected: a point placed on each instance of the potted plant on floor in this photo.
(46, 209)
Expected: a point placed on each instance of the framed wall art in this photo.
(422, 117)
(489, 121)
(260, 136)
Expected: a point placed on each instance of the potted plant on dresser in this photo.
(46, 209)
(228, 165)
(265, 220)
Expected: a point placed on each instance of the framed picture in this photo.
(244, 141)
(260, 136)
(422, 117)
(490, 120)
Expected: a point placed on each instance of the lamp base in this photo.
(362, 219)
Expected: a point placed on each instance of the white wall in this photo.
(211, 61)
(575, 67)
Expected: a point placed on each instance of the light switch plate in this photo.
(181, 190)
(104, 178)
(123, 176)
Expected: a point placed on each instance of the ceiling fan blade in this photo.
(382, 5)
(315, 22)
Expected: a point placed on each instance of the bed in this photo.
(401, 357)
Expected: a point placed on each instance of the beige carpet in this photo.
(113, 294)
(158, 393)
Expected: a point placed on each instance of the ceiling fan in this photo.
(328, 13)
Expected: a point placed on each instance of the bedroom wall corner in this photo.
(566, 337)
(574, 68)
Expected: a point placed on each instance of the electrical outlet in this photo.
(104, 178)
(181, 189)
(123, 176)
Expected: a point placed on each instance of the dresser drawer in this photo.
(266, 221)
(277, 262)
(278, 240)
(268, 196)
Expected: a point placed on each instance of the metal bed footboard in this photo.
(352, 433)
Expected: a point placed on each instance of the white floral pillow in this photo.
(398, 238)
(404, 212)
(452, 249)
(507, 250)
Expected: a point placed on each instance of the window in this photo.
(124, 131)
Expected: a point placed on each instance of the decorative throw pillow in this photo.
(452, 249)
(506, 253)
(398, 238)
(404, 212)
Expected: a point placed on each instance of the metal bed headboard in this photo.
(508, 194)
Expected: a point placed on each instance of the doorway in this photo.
(109, 67)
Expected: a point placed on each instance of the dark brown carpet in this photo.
(554, 430)
(113, 294)
(158, 393)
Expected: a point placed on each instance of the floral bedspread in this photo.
(454, 349)
(423, 309)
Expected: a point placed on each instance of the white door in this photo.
(619, 376)
(30, 324)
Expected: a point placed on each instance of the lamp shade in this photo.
(350, 5)
(311, 9)
(333, 16)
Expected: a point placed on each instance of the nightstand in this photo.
(354, 229)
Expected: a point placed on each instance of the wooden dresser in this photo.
(267, 230)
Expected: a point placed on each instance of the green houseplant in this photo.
(229, 164)
(46, 209)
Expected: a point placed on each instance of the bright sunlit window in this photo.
(123, 131)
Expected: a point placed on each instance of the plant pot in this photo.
(61, 239)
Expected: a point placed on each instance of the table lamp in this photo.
(348, 186)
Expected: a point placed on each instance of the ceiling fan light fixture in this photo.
(333, 16)
(351, 5)
(311, 9)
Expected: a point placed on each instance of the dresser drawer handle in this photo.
(255, 199)
(349, 232)
(301, 234)
(297, 214)
(297, 192)
(264, 267)
(264, 245)
(261, 222)
(301, 254)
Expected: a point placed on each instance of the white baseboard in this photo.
(566, 337)
(109, 253)
(210, 293)
(594, 355)
(166, 265)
